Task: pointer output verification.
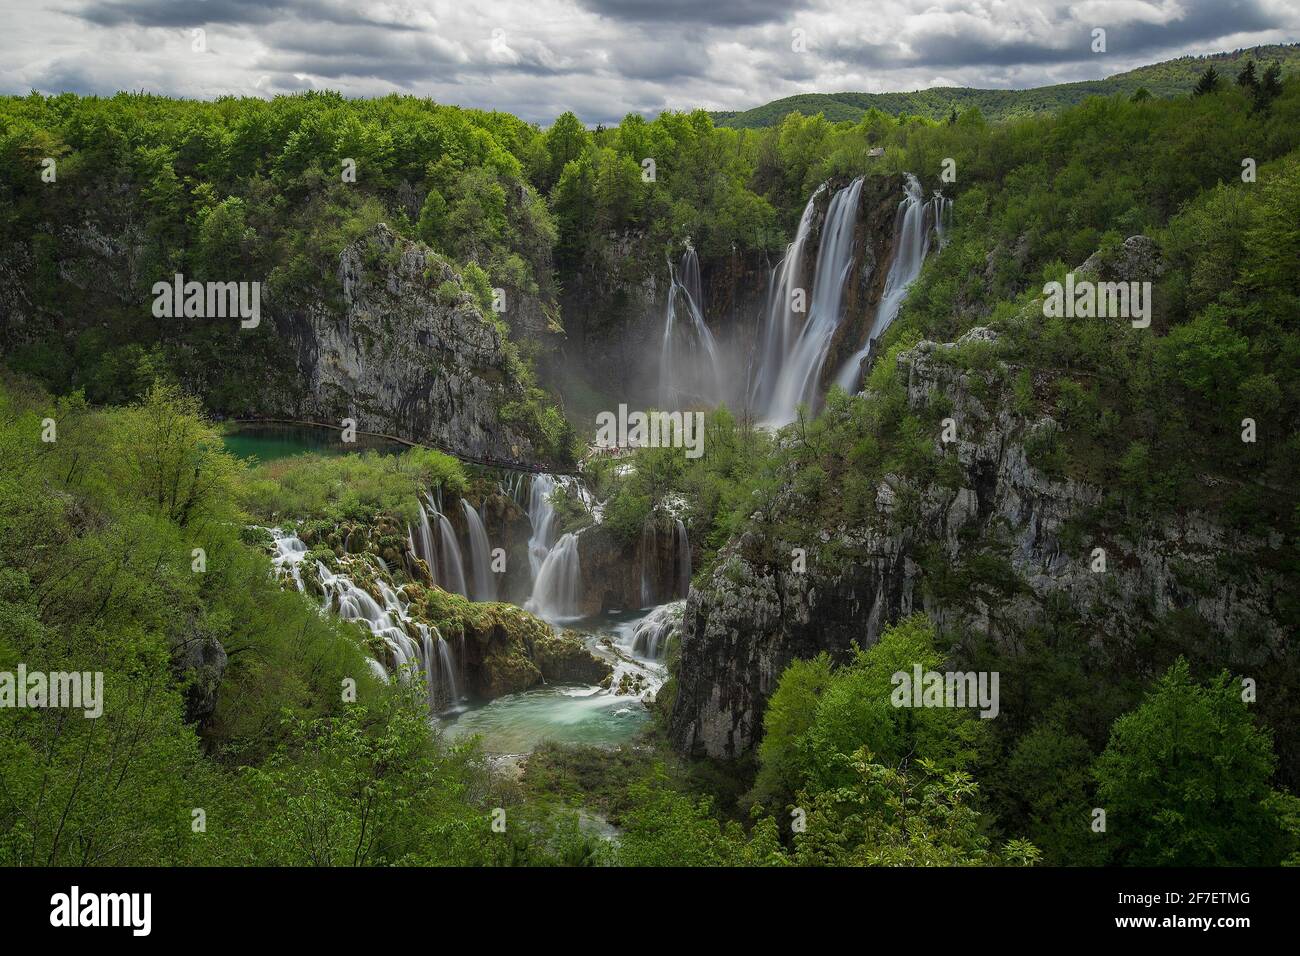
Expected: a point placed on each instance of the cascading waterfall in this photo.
(541, 516)
(453, 567)
(801, 368)
(447, 568)
(431, 656)
(512, 486)
(690, 370)
(916, 221)
(289, 555)
(448, 672)
(480, 552)
(426, 541)
(782, 323)
(650, 635)
(555, 592)
(557, 580)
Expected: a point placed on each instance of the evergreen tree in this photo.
(1247, 80)
(1208, 83)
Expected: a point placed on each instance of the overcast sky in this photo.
(604, 58)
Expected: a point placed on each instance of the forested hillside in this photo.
(1170, 78)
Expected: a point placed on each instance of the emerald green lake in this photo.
(270, 442)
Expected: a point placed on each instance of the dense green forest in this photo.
(286, 767)
(1170, 78)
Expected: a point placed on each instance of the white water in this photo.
(648, 636)
(555, 592)
(431, 656)
(802, 363)
(783, 323)
(453, 571)
(480, 552)
(916, 221)
(556, 570)
(690, 371)
(541, 516)
(426, 542)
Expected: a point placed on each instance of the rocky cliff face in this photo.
(393, 339)
(615, 573)
(756, 612)
(407, 351)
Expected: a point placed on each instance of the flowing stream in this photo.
(569, 714)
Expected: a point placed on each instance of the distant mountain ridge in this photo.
(1168, 78)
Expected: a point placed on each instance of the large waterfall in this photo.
(480, 553)
(802, 314)
(914, 224)
(556, 590)
(690, 370)
(782, 323)
(802, 361)
(541, 517)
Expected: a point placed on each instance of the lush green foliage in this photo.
(246, 189)
(102, 572)
(1185, 780)
(349, 487)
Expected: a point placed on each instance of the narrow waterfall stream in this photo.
(690, 367)
(917, 220)
(480, 550)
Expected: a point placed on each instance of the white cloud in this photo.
(604, 58)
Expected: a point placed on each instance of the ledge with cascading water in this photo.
(513, 673)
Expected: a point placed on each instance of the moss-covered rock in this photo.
(565, 659)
